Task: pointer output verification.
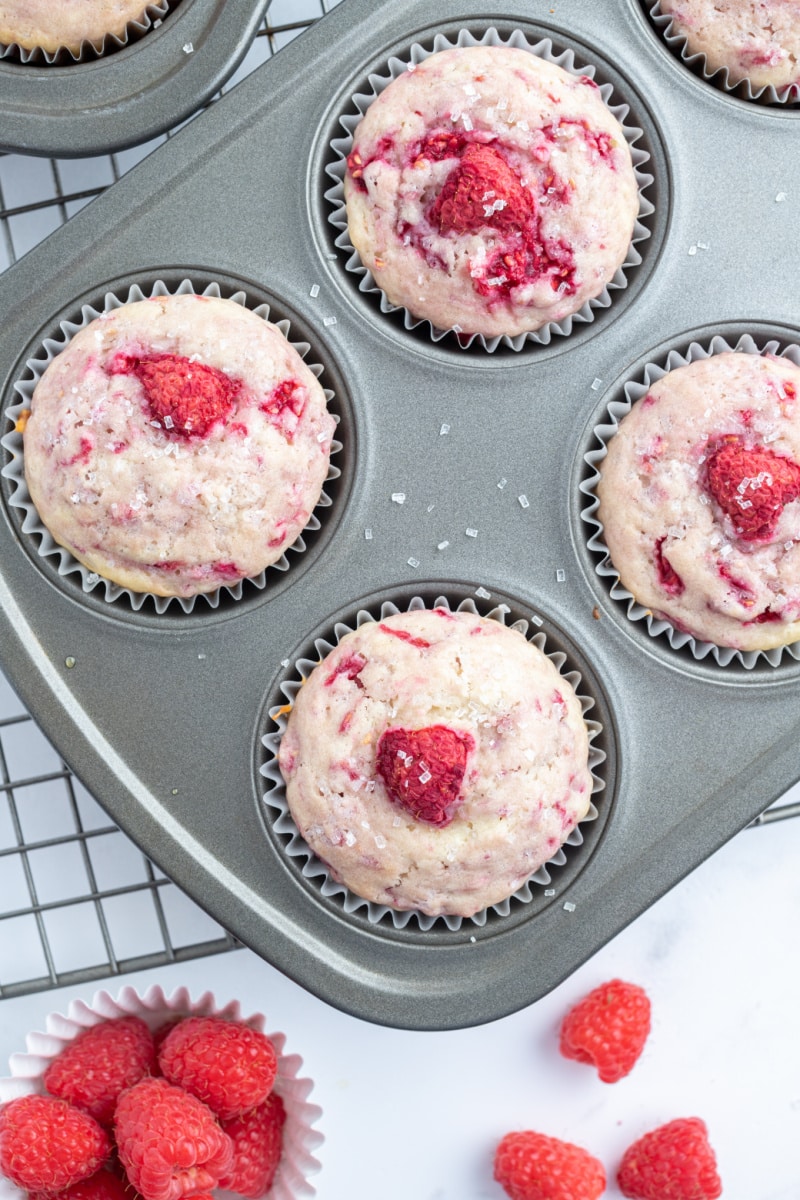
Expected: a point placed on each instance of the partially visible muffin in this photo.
(754, 40)
(177, 444)
(40, 24)
(490, 191)
(700, 500)
(435, 760)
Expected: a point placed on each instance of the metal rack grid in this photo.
(63, 863)
(61, 858)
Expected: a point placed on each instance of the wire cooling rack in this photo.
(78, 901)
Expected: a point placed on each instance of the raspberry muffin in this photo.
(490, 191)
(754, 40)
(42, 25)
(435, 760)
(177, 444)
(700, 500)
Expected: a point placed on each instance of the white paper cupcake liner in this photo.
(314, 870)
(151, 16)
(300, 1139)
(14, 470)
(719, 77)
(341, 147)
(634, 390)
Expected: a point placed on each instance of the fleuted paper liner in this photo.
(634, 390)
(14, 470)
(300, 1139)
(152, 15)
(313, 869)
(720, 77)
(342, 146)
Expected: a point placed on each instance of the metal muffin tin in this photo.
(131, 94)
(163, 715)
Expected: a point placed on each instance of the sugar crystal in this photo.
(413, 562)
(471, 532)
(368, 534)
(561, 575)
(524, 501)
(314, 291)
(442, 545)
(398, 497)
(443, 430)
(483, 594)
(569, 906)
(329, 321)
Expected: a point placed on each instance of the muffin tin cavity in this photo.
(336, 139)
(659, 636)
(58, 564)
(311, 873)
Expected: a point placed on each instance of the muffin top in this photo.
(700, 500)
(756, 40)
(490, 191)
(40, 24)
(177, 444)
(435, 760)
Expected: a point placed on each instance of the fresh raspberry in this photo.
(423, 770)
(92, 1070)
(673, 1162)
(608, 1029)
(257, 1139)
(481, 191)
(188, 398)
(169, 1142)
(226, 1064)
(532, 1166)
(46, 1145)
(103, 1185)
(751, 486)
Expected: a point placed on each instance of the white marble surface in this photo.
(416, 1116)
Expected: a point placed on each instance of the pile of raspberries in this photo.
(163, 1115)
(608, 1030)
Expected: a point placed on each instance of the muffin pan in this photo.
(463, 475)
(129, 94)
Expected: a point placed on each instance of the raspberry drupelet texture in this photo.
(188, 398)
(226, 1064)
(482, 191)
(257, 1138)
(533, 1166)
(673, 1162)
(103, 1185)
(47, 1145)
(752, 485)
(91, 1071)
(170, 1143)
(423, 769)
(608, 1028)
